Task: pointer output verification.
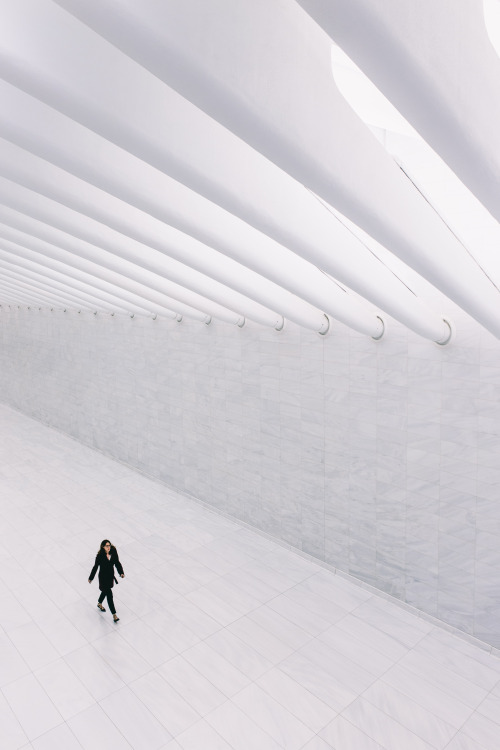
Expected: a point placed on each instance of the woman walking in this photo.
(106, 560)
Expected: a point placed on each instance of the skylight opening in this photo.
(491, 9)
(467, 218)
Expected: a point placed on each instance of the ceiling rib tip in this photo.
(382, 329)
(326, 327)
(449, 335)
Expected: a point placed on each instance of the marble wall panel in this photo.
(380, 458)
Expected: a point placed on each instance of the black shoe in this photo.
(99, 606)
(116, 618)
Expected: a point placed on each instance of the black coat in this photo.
(106, 569)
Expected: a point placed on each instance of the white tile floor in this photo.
(226, 640)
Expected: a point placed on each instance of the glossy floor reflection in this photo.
(226, 640)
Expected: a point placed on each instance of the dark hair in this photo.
(101, 548)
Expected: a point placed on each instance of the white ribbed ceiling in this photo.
(200, 159)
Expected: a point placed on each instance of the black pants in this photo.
(108, 593)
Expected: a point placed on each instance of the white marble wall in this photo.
(380, 458)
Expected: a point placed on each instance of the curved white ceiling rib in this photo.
(298, 120)
(241, 181)
(436, 63)
(33, 294)
(138, 181)
(15, 299)
(126, 293)
(18, 272)
(83, 209)
(202, 293)
(107, 295)
(52, 216)
(126, 275)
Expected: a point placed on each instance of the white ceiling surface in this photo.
(198, 158)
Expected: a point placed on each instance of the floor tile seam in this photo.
(139, 698)
(343, 656)
(251, 646)
(229, 744)
(452, 739)
(384, 633)
(242, 617)
(115, 632)
(376, 599)
(496, 697)
(280, 591)
(442, 665)
(234, 666)
(20, 562)
(108, 666)
(262, 602)
(65, 723)
(17, 603)
(230, 701)
(203, 676)
(179, 593)
(303, 687)
(461, 732)
(466, 659)
(286, 592)
(437, 631)
(392, 719)
(98, 703)
(273, 698)
(77, 678)
(154, 669)
(182, 624)
(35, 583)
(397, 662)
(226, 533)
(288, 548)
(413, 700)
(159, 604)
(310, 635)
(63, 720)
(135, 618)
(223, 602)
(16, 718)
(252, 610)
(315, 736)
(470, 709)
(30, 669)
(277, 665)
(47, 514)
(324, 598)
(374, 627)
(358, 728)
